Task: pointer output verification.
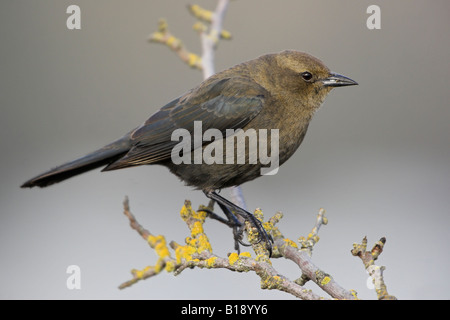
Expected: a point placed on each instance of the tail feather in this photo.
(98, 158)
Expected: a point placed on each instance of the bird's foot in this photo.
(230, 209)
(232, 222)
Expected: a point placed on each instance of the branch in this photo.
(210, 38)
(302, 257)
(157, 243)
(313, 237)
(164, 36)
(376, 272)
(198, 252)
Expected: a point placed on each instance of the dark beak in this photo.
(337, 80)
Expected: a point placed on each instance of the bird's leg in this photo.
(215, 216)
(228, 207)
(232, 222)
(238, 228)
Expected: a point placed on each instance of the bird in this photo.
(276, 92)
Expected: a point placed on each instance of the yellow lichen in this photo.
(184, 212)
(232, 258)
(193, 59)
(157, 37)
(173, 42)
(203, 244)
(159, 244)
(290, 243)
(325, 281)
(184, 252)
(197, 228)
(210, 262)
(162, 25)
(199, 26)
(263, 257)
(140, 273)
(200, 13)
(158, 267)
(271, 282)
(151, 240)
(170, 266)
(200, 215)
(226, 35)
(245, 254)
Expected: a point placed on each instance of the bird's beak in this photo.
(337, 80)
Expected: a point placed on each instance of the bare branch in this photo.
(133, 222)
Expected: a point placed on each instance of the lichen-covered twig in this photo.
(302, 257)
(197, 252)
(210, 36)
(158, 243)
(207, 16)
(376, 272)
(313, 237)
(164, 36)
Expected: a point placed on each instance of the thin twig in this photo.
(376, 272)
(211, 38)
(164, 36)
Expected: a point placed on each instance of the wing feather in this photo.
(227, 103)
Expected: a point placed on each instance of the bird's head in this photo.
(304, 77)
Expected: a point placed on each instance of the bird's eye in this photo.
(306, 76)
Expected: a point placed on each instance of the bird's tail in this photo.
(98, 158)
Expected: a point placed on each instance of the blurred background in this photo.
(376, 157)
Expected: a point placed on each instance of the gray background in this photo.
(376, 157)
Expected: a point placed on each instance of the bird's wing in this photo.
(228, 103)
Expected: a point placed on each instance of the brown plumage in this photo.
(275, 91)
(278, 91)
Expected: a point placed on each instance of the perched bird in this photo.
(277, 92)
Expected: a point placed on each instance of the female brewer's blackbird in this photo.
(275, 91)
